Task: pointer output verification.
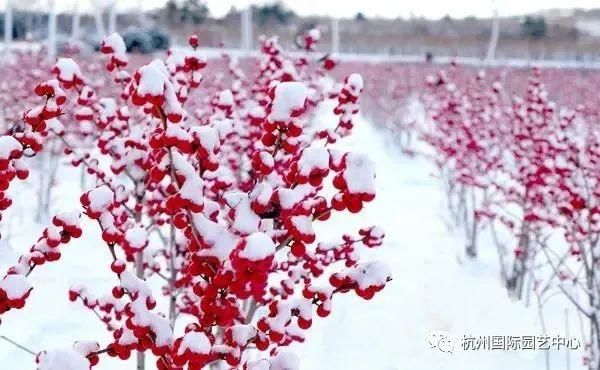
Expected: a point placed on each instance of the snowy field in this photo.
(434, 289)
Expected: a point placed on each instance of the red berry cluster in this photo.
(212, 191)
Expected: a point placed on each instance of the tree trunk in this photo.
(515, 282)
(139, 271)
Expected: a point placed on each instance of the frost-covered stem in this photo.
(139, 272)
(452, 197)
(252, 307)
(92, 309)
(141, 361)
(540, 307)
(595, 323)
(500, 250)
(567, 352)
(591, 316)
(278, 144)
(98, 352)
(217, 364)
(172, 277)
(86, 164)
(51, 181)
(595, 334)
(515, 283)
(30, 270)
(283, 244)
(48, 166)
(40, 193)
(589, 265)
(18, 345)
(471, 248)
(82, 178)
(163, 118)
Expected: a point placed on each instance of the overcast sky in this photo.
(427, 8)
(348, 8)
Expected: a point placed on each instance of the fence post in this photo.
(112, 18)
(52, 30)
(491, 52)
(247, 29)
(335, 35)
(99, 23)
(75, 22)
(8, 23)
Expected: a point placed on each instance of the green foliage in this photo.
(533, 27)
(193, 11)
(273, 13)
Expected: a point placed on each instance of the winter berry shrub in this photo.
(214, 185)
(526, 168)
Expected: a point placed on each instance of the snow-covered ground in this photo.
(439, 59)
(211, 52)
(433, 288)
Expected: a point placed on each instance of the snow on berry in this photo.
(10, 147)
(370, 274)
(219, 241)
(152, 79)
(313, 165)
(195, 342)
(261, 197)
(55, 126)
(302, 229)
(282, 360)
(113, 44)
(193, 41)
(154, 86)
(315, 34)
(365, 278)
(136, 238)
(140, 310)
(68, 72)
(372, 236)
(192, 189)
(15, 286)
(99, 198)
(359, 174)
(85, 348)
(245, 220)
(107, 108)
(285, 360)
(289, 101)
(240, 334)
(225, 98)
(61, 360)
(354, 84)
(262, 364)
(257, 246)
(288, 198)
